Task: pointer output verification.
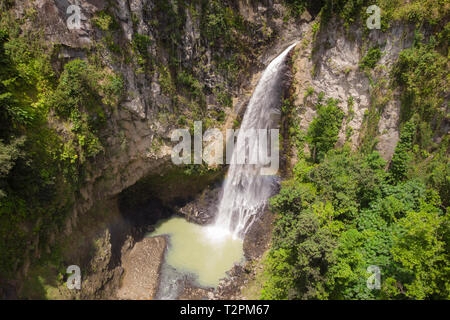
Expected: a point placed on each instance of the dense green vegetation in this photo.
(28, 148)
(430, 12)
(49, 132)
(338, 218)
(343, 211)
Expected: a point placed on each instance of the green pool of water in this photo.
(203, 251)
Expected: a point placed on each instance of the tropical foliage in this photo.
(343, 212)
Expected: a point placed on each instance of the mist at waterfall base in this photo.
(205, 253)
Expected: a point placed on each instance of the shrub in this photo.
(370, 60)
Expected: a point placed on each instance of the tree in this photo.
(9, 153)
(421, 247)
(401, 157)
(324, 129)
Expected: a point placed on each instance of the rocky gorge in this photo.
(178, 65)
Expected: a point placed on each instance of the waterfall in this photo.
(245, 191)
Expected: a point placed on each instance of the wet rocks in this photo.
(192, 292)
(203, 208)
(258, 237)
(230, 287)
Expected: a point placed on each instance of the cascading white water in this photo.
(246, 190)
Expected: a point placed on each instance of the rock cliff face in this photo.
(327, 64)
